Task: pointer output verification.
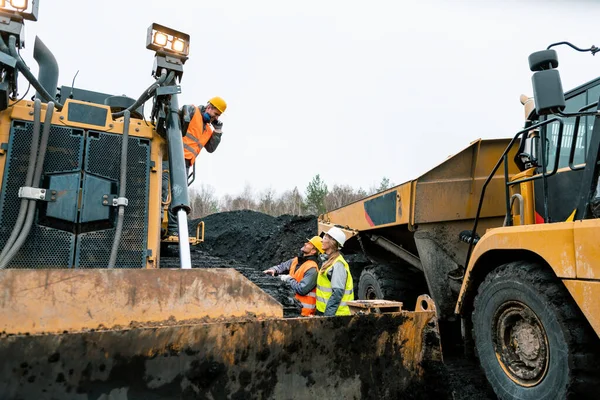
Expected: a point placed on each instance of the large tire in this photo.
(391, 282)
(531, 339)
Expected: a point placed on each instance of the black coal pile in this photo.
(250, 242)
(255, 238)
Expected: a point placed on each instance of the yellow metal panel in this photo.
(587, 251)
(451, 191)
(458, 199)
(4, 137)
(157, 154)
(553, 242)
(526, 190)
(354, 216)
(38, 301)
(587, 297)
(138, 127)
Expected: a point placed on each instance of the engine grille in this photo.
(64, 245)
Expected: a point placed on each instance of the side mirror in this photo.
(547, 86)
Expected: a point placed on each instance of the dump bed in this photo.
(418, 224)
(448, 192)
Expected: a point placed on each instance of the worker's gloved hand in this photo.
(218, 125)
(285, 278)
(269, 272)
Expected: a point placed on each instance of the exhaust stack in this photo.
(48, 74)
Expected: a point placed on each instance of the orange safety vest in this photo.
(309, 302)
(196, 137)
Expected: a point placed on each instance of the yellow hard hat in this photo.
(317, 242)
(218, 103)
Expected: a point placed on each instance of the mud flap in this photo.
(361, 356)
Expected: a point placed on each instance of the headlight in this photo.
(178, 45)
(161, 38)
(19, 4)
(25, 8)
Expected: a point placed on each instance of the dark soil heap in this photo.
(250, 242)
(255, 238)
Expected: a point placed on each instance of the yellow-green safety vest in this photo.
(324, 289)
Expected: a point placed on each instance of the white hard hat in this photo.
(337, 234)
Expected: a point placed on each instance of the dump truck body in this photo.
(417, 224)
(528, 288)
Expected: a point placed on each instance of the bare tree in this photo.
(243, 201)
(385, 184)
(340, 195)
(267, 202)
(203, 201)
(290, 202)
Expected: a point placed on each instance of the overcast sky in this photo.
(353, 90)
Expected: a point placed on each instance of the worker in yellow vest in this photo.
(301, 274)
(334, 282)
(203, 130)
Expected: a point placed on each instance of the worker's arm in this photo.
(186, 114)
(213, 142)
(308, 282)
(338, 286)
(282, 268)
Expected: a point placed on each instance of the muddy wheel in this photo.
(531, 340)
(391, 282)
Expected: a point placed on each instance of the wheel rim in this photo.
(371, 294)
(521, 343)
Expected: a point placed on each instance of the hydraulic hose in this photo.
(21, 66)
(37, 176)
(148, 93)
(35, 138)
(122, 190)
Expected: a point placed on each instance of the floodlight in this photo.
(160, 39)
(20, 8)
(178, 45)
(19, 4)
(167, 40)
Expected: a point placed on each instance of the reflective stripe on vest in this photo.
(309, 300)
(324, 289)
(196, 137)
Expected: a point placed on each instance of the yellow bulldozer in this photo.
(524, 296)
(85, 310)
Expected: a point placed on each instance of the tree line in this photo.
(316, 199)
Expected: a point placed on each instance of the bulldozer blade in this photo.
(380, 356)
(55, 301)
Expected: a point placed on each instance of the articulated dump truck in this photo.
(85, 310)
(504, 237)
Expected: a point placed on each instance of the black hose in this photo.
(592, 49)
(21, 66)
(35, 138)
(37, 176)
(148, 93)
(122, 191)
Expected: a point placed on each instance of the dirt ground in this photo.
(251, 242)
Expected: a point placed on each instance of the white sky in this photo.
(353, 90)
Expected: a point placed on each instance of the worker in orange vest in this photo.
(203, 130)
(303, 271)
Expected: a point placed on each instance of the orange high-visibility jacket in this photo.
(308, 301)
(196, 137)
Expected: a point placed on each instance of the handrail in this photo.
(503, 158)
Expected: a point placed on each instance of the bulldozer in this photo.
(86, 312)
(524, 296)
